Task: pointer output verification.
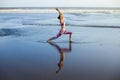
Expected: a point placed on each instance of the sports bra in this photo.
(62, 24)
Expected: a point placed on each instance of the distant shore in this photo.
(60, 7)
(51, 9)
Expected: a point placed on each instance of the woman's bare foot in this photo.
(48, 40)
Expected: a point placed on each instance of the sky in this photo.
(59, 3)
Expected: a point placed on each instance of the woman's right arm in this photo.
(60, 13)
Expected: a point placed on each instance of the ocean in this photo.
(74, 17)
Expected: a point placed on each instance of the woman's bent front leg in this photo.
(55, 37)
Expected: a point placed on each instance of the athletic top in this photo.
(63, 24)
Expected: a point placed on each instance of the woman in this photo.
(62, 30)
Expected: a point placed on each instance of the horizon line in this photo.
(59, 7)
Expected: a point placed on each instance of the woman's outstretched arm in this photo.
(60, 13)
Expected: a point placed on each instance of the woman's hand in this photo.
(57, 9)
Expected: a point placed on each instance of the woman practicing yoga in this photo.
(62, 30)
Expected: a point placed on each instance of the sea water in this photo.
(73, 17)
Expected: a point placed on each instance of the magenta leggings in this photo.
(60, 33)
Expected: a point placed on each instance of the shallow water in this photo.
(25, 54)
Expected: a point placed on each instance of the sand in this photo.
(93, 55)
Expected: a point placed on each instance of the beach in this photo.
(25, 53)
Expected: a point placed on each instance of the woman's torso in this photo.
(62, 23)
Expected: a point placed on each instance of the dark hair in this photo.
(59, 17)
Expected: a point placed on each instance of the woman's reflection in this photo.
(62, 54)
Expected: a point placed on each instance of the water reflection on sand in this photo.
(62, 52)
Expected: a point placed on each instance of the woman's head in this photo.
(60, 17)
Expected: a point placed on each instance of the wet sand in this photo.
(93, 55)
